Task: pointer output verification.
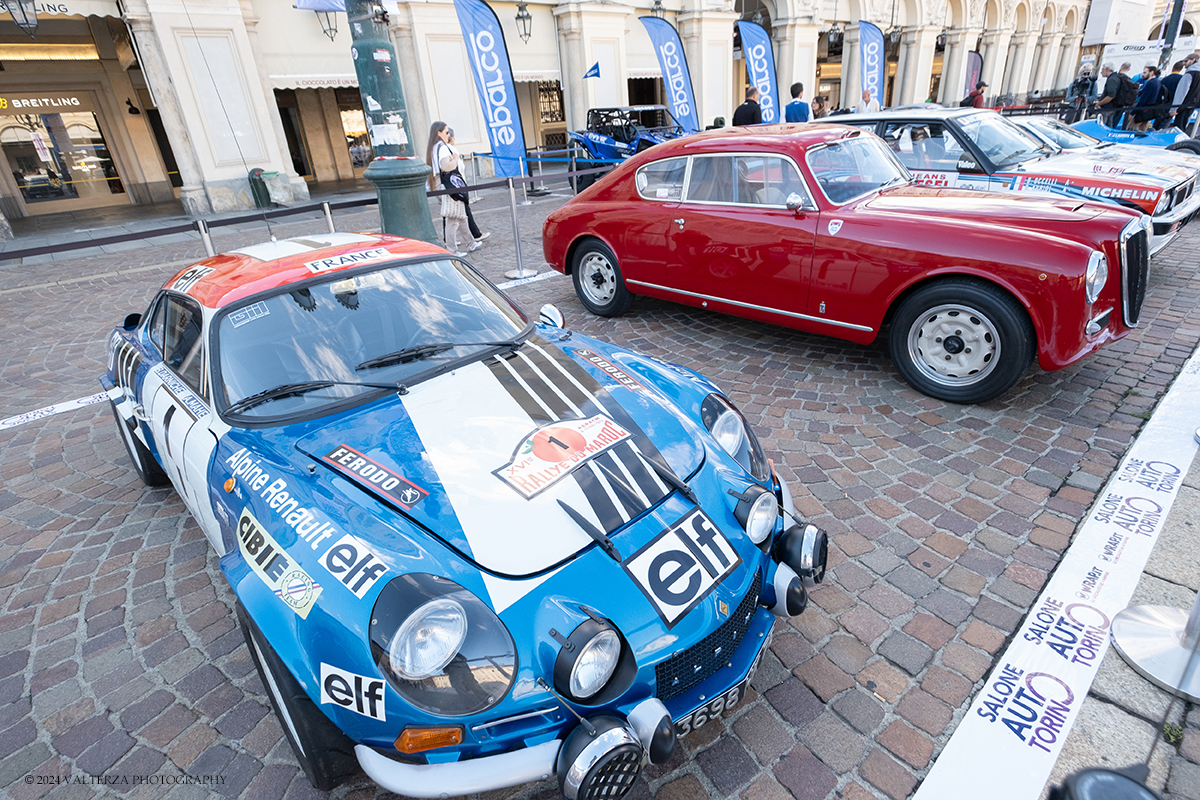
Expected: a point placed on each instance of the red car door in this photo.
(734, 239)
(640, 229)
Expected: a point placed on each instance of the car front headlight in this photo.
(589, 659)
(428, 639)
(1164, 202)
(1097, 275)
(757, 510)
(733, 434)
(440, 647)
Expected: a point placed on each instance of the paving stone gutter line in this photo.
(120, 657)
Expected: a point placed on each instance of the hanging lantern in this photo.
(658, 9)
(24, 13)
(328, 23)
(524, 22)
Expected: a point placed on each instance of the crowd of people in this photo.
(1149, 100)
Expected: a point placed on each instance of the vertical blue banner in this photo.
(874, 60)
(676, 78)
(760, 68)
(494, 82)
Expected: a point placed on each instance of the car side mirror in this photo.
(550, 315)
(797, 203)
(968, 165)
(131, 321)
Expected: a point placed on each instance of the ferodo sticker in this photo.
(550, 453)
(275, 567)
(346, 459)
(361, 694)
(612, 370)
(682, 565)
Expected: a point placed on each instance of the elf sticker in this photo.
(552, 452)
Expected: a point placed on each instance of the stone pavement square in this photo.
(118, 649)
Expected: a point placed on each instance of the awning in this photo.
(533, 75)
(631, 72)
(312, 81)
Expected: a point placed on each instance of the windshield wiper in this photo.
(598, 536)
(421, 351)
(297, 389)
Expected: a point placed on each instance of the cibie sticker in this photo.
(835, 225)
(275, 567)
(550, 453)
(362, 694)
(682, 565)
(349, 259)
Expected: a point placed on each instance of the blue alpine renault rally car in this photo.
(469, 551)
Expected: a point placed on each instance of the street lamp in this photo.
(524, 22)
(835, 33)
(658, 9)
(893, 33)
(328, 23)
(24, 13)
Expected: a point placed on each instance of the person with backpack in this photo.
(975, 98)
(1147, 96)
(1187, 92)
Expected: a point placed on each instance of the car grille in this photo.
(1183, 192)
(1135, 268)
(684, 670)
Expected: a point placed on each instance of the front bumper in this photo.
(460, 777)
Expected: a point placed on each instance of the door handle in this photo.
(140, 414)
(679, 222)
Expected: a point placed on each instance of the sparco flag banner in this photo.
(974, 71)
(874, 62)
(760, 68)
(493, 79)
(676, 77)
(1011, 737)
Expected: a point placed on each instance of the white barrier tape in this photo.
(1008, 743)
(49, 411)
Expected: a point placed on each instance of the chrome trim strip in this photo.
(514, 718)
(749, 305)
(1134, 226)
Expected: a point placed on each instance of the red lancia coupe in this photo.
(820, 228)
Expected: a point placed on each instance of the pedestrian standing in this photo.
(748, 113)
(1147, 96)
(1112, 85)
(1080, 93)
(820, 107)
(1167, 91)
(976, 95)
(867, 106)
(1187, 92)
(797, 110)
(444, 160)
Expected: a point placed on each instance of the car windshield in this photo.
(1002, 142)
(295, 352)
(1064, 136)
(853, 167)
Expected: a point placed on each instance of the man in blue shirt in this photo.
(797, 110)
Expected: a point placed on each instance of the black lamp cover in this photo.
(524, 22)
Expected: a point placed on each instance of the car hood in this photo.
(485, 456)
(995, 208)
(1104, 165)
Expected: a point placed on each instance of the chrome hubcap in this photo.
(954, 345)
(598, 279)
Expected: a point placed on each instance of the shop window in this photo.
(354, 126)
(58, 156)
(285, 100)
(550, 101)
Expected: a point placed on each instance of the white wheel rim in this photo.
(954, 345)
(598, 278)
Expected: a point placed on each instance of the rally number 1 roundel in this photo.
(557, 443)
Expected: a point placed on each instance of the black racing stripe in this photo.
(167, 427)
(641, 475)
(586, 403)
(605, 401)
(601, 503)
(540, 386)
(607, 465)
(517, 392)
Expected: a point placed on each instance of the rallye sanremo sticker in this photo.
(682, 565)
(275, 567)
(348, 259)
(553, 451)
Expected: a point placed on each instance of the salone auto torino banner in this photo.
(1010, 738)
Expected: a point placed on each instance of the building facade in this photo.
(142, 101)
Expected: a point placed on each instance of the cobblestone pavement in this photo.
(120, 657)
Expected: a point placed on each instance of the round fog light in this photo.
(756, 510)
(604, 764)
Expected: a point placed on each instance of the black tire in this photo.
(325, 753)
(961, 340)
(1187, 145)
(599, 284)
(147, 468)
(582, 182)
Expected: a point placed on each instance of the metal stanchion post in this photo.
(520, 271)
(526, 201)
(1157, 641)
(328, 216)
(202, 228)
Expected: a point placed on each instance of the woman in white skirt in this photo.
(443, 158)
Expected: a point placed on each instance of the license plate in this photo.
(713, 708)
